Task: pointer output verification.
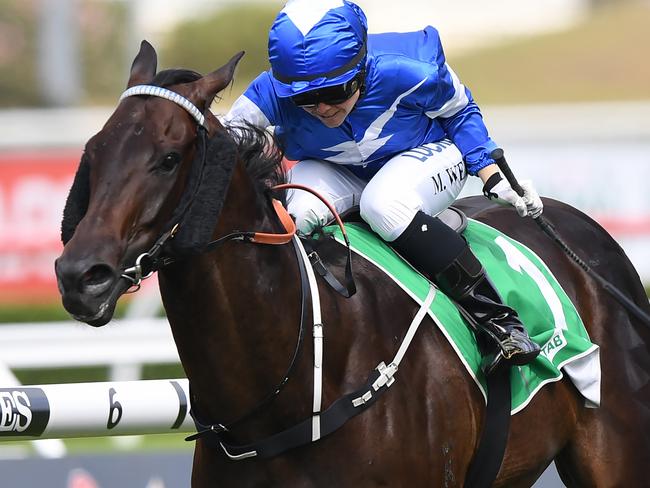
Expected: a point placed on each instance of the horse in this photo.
(166, 174)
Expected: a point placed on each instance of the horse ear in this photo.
(144, 65)
(205, 89)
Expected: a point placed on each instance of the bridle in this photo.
(147, 263)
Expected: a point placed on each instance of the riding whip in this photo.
(498, 156)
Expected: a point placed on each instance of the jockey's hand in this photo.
(531, 198)
(498, 188)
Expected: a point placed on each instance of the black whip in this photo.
(550, 231)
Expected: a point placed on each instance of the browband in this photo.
(157, 91)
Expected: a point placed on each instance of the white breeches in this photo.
(426, 178)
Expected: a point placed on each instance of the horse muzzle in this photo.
(89, 290)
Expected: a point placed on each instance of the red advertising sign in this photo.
(33, 189)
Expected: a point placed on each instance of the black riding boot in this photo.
(466, 282)
(444, 256)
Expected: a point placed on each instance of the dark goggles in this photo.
(331, 95)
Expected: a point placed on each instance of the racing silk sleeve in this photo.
(452, 105)
(256, 106)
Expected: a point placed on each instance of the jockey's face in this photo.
(333, 115)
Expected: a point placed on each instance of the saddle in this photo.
(452, 217)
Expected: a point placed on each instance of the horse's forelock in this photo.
(169, 77)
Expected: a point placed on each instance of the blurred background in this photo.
(564, 86)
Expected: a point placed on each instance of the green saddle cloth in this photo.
(527, 285)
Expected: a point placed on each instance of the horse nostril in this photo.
(97, 279)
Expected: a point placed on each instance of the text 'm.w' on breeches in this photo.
(427, 178)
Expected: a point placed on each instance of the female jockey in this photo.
(382, 121)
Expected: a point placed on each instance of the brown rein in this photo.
(287, 222)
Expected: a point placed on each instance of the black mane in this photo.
(262, 157)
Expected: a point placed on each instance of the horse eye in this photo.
(170, 162)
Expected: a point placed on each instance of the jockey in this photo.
(382, 121)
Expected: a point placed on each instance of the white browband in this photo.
(157, 91)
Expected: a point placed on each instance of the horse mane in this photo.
(262, 157)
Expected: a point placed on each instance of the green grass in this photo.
(86, 374)
(603, 58)
(151, 442)
(44, 312)
(28, 312)
(99, 445)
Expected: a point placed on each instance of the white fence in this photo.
(123, 345)
(95, 409)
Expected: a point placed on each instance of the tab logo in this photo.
(553, 345)
(23, 412)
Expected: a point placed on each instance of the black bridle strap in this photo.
(205, 429)
(152, 260)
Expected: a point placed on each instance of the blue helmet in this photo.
(316, 44)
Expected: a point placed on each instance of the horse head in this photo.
(137, 174)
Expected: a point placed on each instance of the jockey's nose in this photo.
(323, 108)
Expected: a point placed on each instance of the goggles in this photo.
(331, 95)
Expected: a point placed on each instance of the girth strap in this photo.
(331, 419)
(346, 290)
(485, 465)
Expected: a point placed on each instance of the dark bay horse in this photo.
(235, 314)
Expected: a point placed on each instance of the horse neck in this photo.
(234, 311)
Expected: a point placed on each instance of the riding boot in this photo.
(460, 275)
(466, 282)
